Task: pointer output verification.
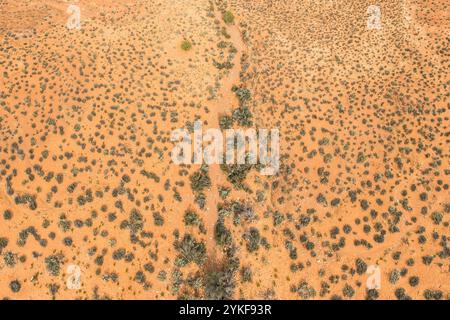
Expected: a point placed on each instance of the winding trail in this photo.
(224, 103)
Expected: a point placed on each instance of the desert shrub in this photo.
(15, 286)
(432, 294)
(139, 277)
(246, 274)
(221, 234)
(243, 94)
(219, 285)
(200, 179)
(396, 255)
(191, 218)
(260, 196)
(162, 275)
(347, 228)
(228, 17)
(292, 252)
(410, 262)
(225, 122)
(372, 294)
(53, 264)
(224, 192)
(223, 65)
(243, 116)
(190, 250)
(7, 215)
(200, 200)
(119, 254)
(413, 281)
(186, 45)
(158, 219)
(219, 279)
(348, 291)
(177, 281)
(223, 44)
(335, 202)
(400, 294)
(361, 266)
(278, 218)
(243, 210)
(236, 174)
(150, 175)
(436, 217)
(304, 290)
(239, 209)
(394, 276)
(265, 243)
(252, 237)
(149, 267)
(426, 260)
(10, 259)
(135, 222)
(3, 243)
(27, 199)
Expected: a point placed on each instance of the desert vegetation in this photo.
(93, 207)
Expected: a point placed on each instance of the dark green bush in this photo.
(228, 17)
(200, 179)
(190, 250)
(221, 234)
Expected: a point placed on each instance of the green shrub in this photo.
(15, 286)
(186, 45)
(53, 264)
(219, 280)
(224, 192)
(243, 116)
(200, 200)
(236, 174)
(348, 291)
(200, 179)
(252, 237)
(221, 234)
(246, 274)
(191, 218)
(361, 266)
(158, 219)
(394, 276)
(223, 65)
(228, 17)
(190, 250)
(225, 122)
(243, 94)
(304, 290)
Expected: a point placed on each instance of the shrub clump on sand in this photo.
(225, 122)
(304, 290)
(53, 263)
(190, 250)
(200, 179)
(243, 116)
(236, 174)
(228, 17)
(15, 286)
(219, 278)
(221, 234)
(186, 45)
(243, 94)
(191, 218)
(252, 237)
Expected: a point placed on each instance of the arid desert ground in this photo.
(92, 206)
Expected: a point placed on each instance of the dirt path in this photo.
(226, 101)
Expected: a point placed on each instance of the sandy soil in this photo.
(87, 182)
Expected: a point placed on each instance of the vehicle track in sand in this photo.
(223, 104)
